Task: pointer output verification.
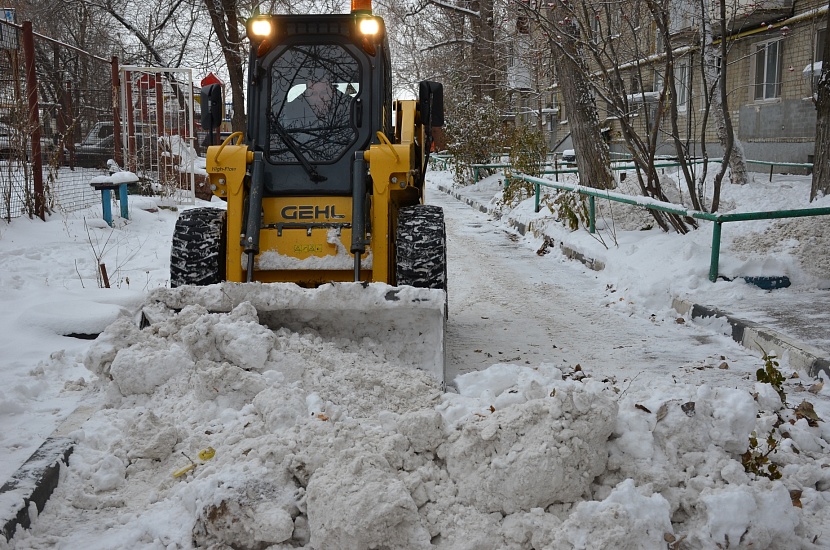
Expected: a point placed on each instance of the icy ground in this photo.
(586, 416)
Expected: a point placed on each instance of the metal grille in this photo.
(160, 144)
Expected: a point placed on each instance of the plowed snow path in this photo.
(509, 304)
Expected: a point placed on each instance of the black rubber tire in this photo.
(421, 247)
(197, 256)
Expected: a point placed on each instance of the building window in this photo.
(681, 75)
(767, 66)
(616, 20)
(658, 82)
(596, 28)
(635, 84)
(812, 71)
(651, 112)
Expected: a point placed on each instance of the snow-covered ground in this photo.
(586, 414)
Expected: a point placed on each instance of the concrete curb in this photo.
(749, 334)
(34, 482)
(757, 337)
(524, 229)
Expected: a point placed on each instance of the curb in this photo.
(749, 334)
(524, 229)
(35, 481)
(757, 337)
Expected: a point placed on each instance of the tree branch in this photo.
(446, 6)
(447, 43)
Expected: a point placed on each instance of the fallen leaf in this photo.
(815, 388)
(794, 375)
(805, 410)
(492, 409)
(680, 321)
(662, 411)
(322, 416)
(795, 495)
(723, 365)
(642, 408)
(688, 408)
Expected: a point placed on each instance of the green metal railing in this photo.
(617, 166)
(653, 204)
(805, 165)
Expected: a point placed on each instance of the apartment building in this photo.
(773, 60)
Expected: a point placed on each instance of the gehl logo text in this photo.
(310, 212)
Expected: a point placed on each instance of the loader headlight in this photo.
(260, 28)
(369, 26)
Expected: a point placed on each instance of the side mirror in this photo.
(431, 99)
(211, 101)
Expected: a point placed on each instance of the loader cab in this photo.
(323, 87)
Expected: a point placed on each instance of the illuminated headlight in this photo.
(369, 25)
(261, 28)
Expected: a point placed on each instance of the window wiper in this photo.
(295, 150)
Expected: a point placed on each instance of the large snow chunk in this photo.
(122, 333)
(143, 367)
(757, 516)
(533, 454)
(362, 504)
(626, 520)
(257, 516)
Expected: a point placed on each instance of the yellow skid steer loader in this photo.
(324, 192)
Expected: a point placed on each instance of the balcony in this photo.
(743, 14)
(750, 13)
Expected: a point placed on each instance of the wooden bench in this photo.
(106, 185)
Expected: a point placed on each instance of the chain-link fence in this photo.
(67, 116)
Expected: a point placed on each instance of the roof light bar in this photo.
(362, 6)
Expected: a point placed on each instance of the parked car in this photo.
(94, 153)
(569, 156)
(102, 130)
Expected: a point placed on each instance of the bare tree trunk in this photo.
(593, 158)
(223, 16)
(660, 14)
(733, 149)
(821, 160)
(483, 50)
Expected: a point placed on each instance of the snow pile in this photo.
(286, 439)
(799, 237)
(534, 453)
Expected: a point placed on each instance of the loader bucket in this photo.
(408, 321)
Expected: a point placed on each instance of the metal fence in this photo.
(67, 116)
(649, 203)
